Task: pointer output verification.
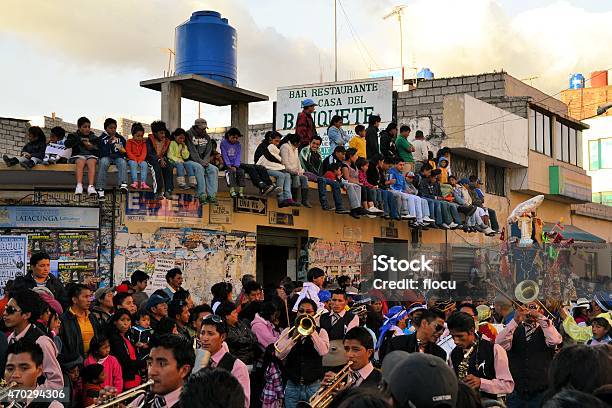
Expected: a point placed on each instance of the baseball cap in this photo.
(432, 382)
(308, 102)
(155, 300)
(101, 292)
(201, 122)
(324, 295)
(582, 302)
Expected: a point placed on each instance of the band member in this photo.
(530, 340)
(212, 388)
(24, 365)
(212, 336)
(337, 323)
(429, 326)
(170, 363)
(359, 349)
(479, 363)
(311, 289)
(303, 358)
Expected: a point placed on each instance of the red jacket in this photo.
(305, 128)
(136, 150)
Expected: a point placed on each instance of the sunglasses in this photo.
(11, 310)
(213, 318)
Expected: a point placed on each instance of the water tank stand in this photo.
(200, 89)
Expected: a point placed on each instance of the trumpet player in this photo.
(303, 357)
(169, 364)
(24, 365)
(478, 362)
(530, 340)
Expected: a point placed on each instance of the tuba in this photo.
(119, 398)
(324, 395)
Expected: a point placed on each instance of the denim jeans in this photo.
(143, 166)
(103, 165)
(182, 166)
(389, 203)
(529, 401)
(322, 183)
(295, 393)
(454, 212)
(299, 181)
(354, 193)
(282, 180)
(435, 208)
(234, 178)
(207, 178)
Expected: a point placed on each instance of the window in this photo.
(463, 167)
(539, 132)
(558, 140)
(495, 180)
(600, 154)
(590, 266)
(594, 162)
(568, 149)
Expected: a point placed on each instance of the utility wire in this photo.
(356, 37)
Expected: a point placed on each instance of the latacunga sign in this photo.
(354, 101)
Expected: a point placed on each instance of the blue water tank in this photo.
(207, 45)
(576, 81)
(425, 73)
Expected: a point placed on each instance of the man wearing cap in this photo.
(304, 125)
(419, 380)
(157, 307)
(530, 340)
(200, 146)
(103, 308)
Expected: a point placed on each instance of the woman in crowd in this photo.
(123, 349)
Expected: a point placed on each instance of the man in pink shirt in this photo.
(212, 336)
(263, 325)
(21, 311)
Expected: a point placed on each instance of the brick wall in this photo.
(13, 135)
(124, 127)
(583, 103)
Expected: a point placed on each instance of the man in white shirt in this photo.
(310, 290)
(337, 323)
(174, 280)
(420, 150)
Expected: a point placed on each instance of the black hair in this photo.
(271, 134)
(120, 297)
(267, 310)
(96, 342)
(473, 178)
(219, 324)
(37, 132)
(220, 290)
(601, 321)
(360, 162)
(426, 166)
(350, 152)
(333, 167)
(177, 132)
(430, 155)
(339, 292)
(225, 309)
(436, 172)
(373, 119)
(469, 306)
(391, 126)
(467, 397)
(175, 307)
(108, 122)
(166, 325)
(251, 286)
(343, 279)
(232, 132)
(314, 273)
(461, 322)
(212, 388)
(181, 294)
(195, 312)
(570, 398)
(452, 177)
(171, 274)
(82, 120)
(140, 313)
(75, 289)
(310, 302)
(376, 157)
(158, 126)
(359, 397)
(359, 129)
(362, 335)
(292, 138)
(29, 302)
(428, 314)
(115, 317)
(418, 134)
(25, 345)
(92, 372)
(137, 127)
(340, 149)
(317, 137)
(581, 367)
(138, 276)
(390, 160)
(37, 257)
(404, 128)
(58, 131)
(333, 120)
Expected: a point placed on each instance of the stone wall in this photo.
(124, 127)
(13, 135)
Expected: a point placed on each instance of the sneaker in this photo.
(91, 190)
(445, 226)
(269, 189)
(212, 199)
(79, 189)
(488, 232)
(295, 203)
(452, 225)
(342, 211)
(405, 216)
(28, 164)
(375, 210)
(45, 162)
(101, 195)
(144, 185)
(192, 181)
(52, 160)
(203, 199)
(428, 220)
(123, 187)
(278, 189)
(134, 185)
(233, 193)
(355, 213)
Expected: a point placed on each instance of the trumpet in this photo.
(324, 395)
(526, 291)
(134, 392)
(304, 326)
(5, 388)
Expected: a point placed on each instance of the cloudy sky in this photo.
(86, 57)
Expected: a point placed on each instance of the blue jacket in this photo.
(337, 137)
(400, 181)
(108, 149)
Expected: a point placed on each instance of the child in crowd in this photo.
(334, 173)
(56, 152)
(112, 151)
(431, 159)
(358, 142)
(93, 377)
(602, 330)
(85, 152)
(231, 150)
(157, 148)
(473, 214)
(217, 160)
(406, 202)
(336, 135)
(140, 335)
(421, 206)
(350, 173)
(32, 153)
(443, 166)
(137, 154)
(270, 158)
(291, 160)
(369, 191)
(99, 353)
(178, 155)
(123, 349)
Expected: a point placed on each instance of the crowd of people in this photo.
(381, 172)
(291, 343)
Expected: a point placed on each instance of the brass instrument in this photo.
(526, 291)
(358, 309)
(462, 371)
(304, 326)
(134, 392)
(325, 394)
(5, 388)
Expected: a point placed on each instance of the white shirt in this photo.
(309, 291)
(420, 150)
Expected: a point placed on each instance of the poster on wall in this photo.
(336, 258)
(30, 216)
(13, 257)
(78, 271)
(142, 206)
(205, 257)
(353, 100)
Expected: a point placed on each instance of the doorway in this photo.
(278, 253)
